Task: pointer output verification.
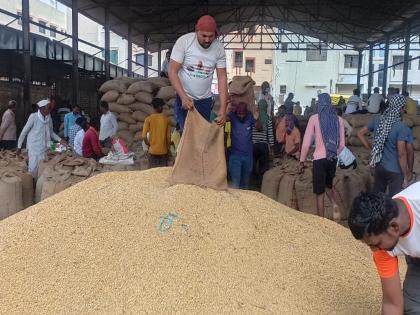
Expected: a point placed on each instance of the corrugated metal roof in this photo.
(356, 22)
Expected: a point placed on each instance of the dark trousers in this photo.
(8, 144)
(158, 160)
(261, 160)
(411, 288)
(385, 179)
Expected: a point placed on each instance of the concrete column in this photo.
(27, 77)
(107, 45)
(359, 68)
(146, 56)
(75, 48)
(386, 57)
(370, 75)
(406, 57)
(129, 52)
(159, 58)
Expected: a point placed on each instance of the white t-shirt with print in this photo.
(198, 64)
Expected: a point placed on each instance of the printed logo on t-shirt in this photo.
(200, 71)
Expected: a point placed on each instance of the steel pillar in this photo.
(160, 58)
(370, 76)
(129, 52)
(27, 77)
(359, 69)
(146, 56)
(406, 57)
(385, 77)
(75, 48)
(107, 45)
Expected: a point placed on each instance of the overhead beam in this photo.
(386, 60)
(359, 68)
(406, 57)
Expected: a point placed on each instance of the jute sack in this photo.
(241, 84)
(306, 200)
(171, 102)
(416, 132)
(136, 127)
(144, 97)
(416, 144)
(117, 108)
(127, 117)
(126, 99)
(122, 125)
(248, 98)
(110, 96)
(270, 183)
(139, 116)
(115, 85)
(166, 93)
(10, 194)
(201, 154)
(286, 193)
(355, 141)
(27, 188)
(146, 108)
(360, 120)
(408, 121)
(141, 86)
(159, 82)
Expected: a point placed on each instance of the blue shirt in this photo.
(69, 121)
(241, 134)
(398, 132)
(410, 138)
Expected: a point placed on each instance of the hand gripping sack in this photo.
(201, 155)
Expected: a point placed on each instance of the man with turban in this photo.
(194, 58)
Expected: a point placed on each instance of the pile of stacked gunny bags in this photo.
(16, 184)
(284, 184)
(130, 101)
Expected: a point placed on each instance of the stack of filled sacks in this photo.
(16, 184)
(62, 171)
(130, 101)
(285, 185)
(359, 121)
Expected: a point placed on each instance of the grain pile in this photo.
(130, 101)
(105, 247)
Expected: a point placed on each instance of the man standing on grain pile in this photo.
(194, 58)
(391, 228)
(39, 129)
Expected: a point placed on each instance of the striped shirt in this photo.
(262, 136)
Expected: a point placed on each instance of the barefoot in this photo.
(336, 214)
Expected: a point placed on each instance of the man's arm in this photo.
(392, 300)
(146, 129)
(174, 68)
(307, 140)
(96, 146)
(114, 124)
(66, 125)
(402, 157)
(24, 133)
(410, 158)
(223, 92)
(362, 137)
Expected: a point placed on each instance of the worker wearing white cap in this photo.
(39, 129)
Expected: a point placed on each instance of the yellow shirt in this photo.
(175, 138)
(411, 106)
(228, 133)
(160, 133)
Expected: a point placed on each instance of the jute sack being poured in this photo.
(201, 155)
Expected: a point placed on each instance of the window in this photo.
(398, 59)
(250, 65)
(351, 61)
(284, 47)
(42, 25)
(282, 89)
(140, 59)
(19, 19)
(113, 56)
(268, 61)
(238, 59)
(316, 52)
(52, 31)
